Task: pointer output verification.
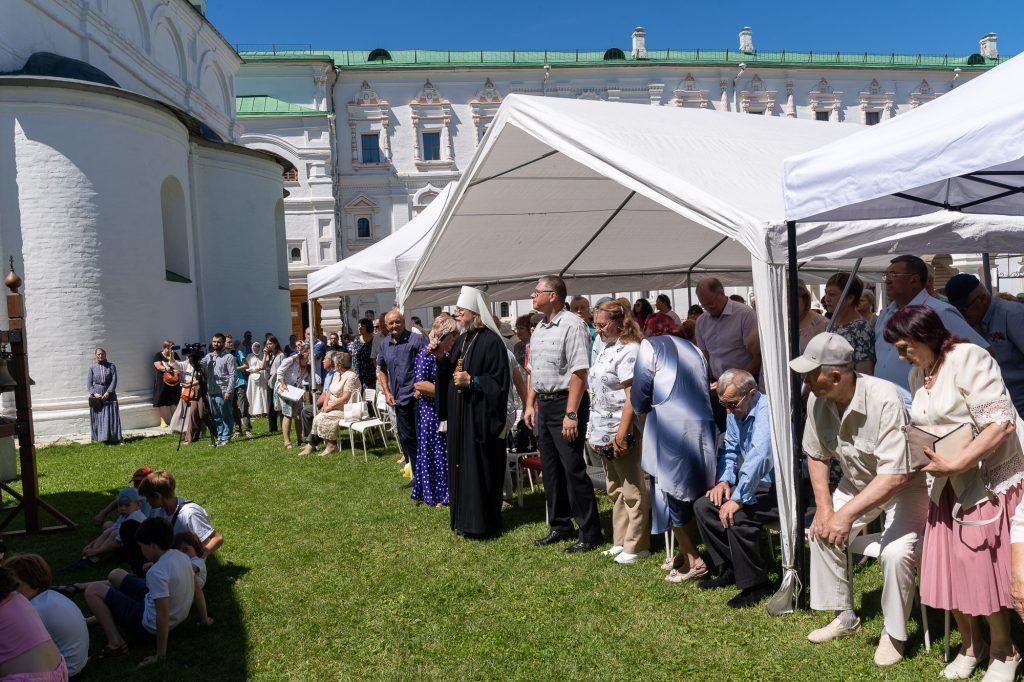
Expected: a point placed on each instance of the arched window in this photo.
(363, 228)
(504, 309)
(295, 255)
(172, 212)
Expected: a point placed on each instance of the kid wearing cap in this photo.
(129, 507)
(101, 517)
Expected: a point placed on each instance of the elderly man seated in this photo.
(858, 420)
(726, 515)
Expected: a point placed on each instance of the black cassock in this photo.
(476, 418)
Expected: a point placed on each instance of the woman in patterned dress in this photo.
(430, 480)
(851, 325)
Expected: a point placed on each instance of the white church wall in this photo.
(160, 48)
(91, 253)
(238, 196)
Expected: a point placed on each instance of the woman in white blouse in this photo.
(343, 390)
(613, 434)
(965, 565)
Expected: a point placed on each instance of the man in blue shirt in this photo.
(1000, 322)
(240, 399)
(394, 379)
(745, 486)
(905, 282)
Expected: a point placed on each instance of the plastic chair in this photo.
(363, 425)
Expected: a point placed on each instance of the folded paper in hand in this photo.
(293, 393)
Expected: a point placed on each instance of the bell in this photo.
(7, 382)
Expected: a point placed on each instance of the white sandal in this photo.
(678, 576)
(960, 668)
(1002, 671)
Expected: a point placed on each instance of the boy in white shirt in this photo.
(154, 605)
(129, 509)
(159, 489)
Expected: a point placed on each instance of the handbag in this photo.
(95, 403)
(354, 411)
(947, 441)
(171, 377)
(189, 394)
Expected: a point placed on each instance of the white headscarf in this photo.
(476, 301)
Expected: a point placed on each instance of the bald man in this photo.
(394, 379)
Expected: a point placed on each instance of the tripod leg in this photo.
(184, 423)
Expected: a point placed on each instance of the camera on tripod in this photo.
(194, 352)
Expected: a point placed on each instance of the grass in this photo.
(329, 571)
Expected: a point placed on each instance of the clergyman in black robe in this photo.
(476, 415)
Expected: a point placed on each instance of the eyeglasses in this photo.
(601, 325)
(894, 275)
(537, 292)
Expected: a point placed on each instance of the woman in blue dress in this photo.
(670, 387)
(104, 417)
(430, 479)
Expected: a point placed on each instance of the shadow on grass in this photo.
(188, 651)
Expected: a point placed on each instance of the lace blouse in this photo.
(969, 389)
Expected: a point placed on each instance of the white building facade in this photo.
(128, 207)
(404, 124)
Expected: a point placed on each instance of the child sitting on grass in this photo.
(159, 489)
(101, 517)
(151, 606)
(129, 507)
(189, 544)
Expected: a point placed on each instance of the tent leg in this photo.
(986, 267)
(797, 410)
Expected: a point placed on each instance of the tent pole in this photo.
(842, 296)
(797, 410)
(312, 358)
(689, 270)
(598, 233)
(986, 266)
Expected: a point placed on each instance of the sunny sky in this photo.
(905, 26)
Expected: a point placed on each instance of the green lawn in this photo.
(329, 571)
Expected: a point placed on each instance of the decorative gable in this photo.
(757, 99)
(484, 107)
(826, 100)
(368, 114)
(923, 94)
(875, 100)
(687, 94)
(432, 114)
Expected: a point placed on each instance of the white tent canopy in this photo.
(626, 197)
(941, 178)
(383, 266)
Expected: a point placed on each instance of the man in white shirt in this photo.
(858, 420)
(905, 282)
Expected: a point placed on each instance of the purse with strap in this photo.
(947, 441)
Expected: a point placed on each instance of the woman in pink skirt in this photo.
(965, 567)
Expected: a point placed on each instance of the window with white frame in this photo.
(360, 218)
(825, 102)
(689, 95)
(363, 228)
(369, 118)
(432, 120)
(484, 106)
(296, 252)
(875, 103)
(757, 98)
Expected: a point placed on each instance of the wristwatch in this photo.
(571, 415)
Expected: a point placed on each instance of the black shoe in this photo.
(582, 546)
(553, 537)
(724, 579)
(407, 485)
(751, 596)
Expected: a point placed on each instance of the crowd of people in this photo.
(913, 427)
(162, 543)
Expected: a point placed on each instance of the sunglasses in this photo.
(731, 404)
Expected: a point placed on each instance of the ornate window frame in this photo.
(432, 113)
(924, 94)
(423, 197)
(688, 96)
(826, 99)
(361, 207)
(875, 99)
(758, 99)
(484, 107)
(368, 114)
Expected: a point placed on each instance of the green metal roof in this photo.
(356, 59)
(264, 105)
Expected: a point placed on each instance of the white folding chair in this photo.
(363, 425)
(870, 545)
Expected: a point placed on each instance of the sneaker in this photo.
(833, 630)
(1002, 671)
(961, 668)
(890, 652)
(612, 551)
(627, 558)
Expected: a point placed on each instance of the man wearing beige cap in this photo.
(858, 420)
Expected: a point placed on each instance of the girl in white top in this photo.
(612, 433)
(256, 389)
